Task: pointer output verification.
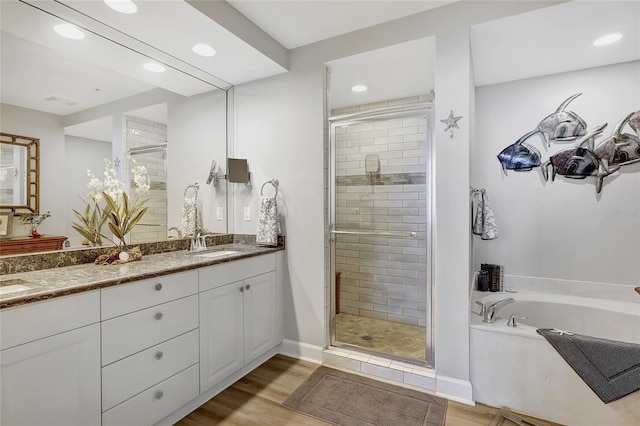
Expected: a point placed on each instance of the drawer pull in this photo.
(159, 316)
(241, 289)
(158, 286)
(159, 355)
(248, 286)
(159, 395)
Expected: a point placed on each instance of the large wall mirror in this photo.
(90, 99)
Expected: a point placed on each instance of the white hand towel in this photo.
(268, 222)
(484, 223)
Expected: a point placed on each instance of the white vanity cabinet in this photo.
(238, 316)
(149, 348)
(50, 362)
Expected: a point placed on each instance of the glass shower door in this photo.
(380, 244)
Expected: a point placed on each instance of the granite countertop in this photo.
(55, 282)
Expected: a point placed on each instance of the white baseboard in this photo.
(299, 350)
(455, 389)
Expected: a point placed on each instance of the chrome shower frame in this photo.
(425, 109)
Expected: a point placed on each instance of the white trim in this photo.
(455, 389)
(300, 350)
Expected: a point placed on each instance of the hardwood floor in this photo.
(255, 400)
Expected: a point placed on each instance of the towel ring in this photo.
(274, 183)
(195, 187)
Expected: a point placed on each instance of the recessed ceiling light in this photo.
(607, 39)
(359, 88)
(203, 49)
(122, 6)
(154, 67)
(69, 31)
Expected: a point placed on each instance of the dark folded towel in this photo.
(611, 369)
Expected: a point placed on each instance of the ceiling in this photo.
(554, 40)
(298, 23)
(37, 64)
(385, 73)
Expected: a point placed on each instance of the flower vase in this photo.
(34, 232)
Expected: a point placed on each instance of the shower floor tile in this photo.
(390, 337)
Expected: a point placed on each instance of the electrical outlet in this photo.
(247, 214)
(219, 214)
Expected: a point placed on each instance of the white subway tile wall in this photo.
(139, 133)
(382, 277)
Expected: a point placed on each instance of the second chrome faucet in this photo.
(489, 312)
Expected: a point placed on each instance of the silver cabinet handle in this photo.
(159, 395)
(159, 316)
(248, 287)
(159, 355)
(158, 286)
(241, 289)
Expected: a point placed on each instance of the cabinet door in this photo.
(52, 381)
(260, 319)
(221, 343)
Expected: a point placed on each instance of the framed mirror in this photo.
(19, 173)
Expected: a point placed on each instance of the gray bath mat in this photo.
(351, 400)
(611, 369)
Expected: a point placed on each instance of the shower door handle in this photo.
(375, 234)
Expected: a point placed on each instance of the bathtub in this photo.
(518, 369)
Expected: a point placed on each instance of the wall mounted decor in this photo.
(579, 161)
(584, 158)
(451, 122)
(562, 125)
(621, 148)
(520, 156)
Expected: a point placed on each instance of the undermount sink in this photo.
(13, 286)
(218, 253)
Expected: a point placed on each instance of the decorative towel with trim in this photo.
(610, 368)
(191, 218)
(484, 223)
(268, 222)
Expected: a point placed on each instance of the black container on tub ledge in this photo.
(495, 276)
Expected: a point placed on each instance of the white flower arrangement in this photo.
(116, 211)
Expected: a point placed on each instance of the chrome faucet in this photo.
(198, 241)
(489, 312)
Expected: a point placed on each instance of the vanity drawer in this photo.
(125, 335)
(157, 402)
(23, 324)
(226, 273)
(126, 298)
(130, 376)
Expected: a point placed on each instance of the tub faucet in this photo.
(491, 310)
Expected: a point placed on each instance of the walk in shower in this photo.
(380, 216)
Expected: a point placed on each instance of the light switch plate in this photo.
(247, 214)
(219, 214)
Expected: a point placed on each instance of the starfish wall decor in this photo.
(451, 122)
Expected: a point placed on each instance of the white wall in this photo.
(196, 134)
(279, 127)
(81, 154)
(48, 129)
(560, 229)
(279, 130)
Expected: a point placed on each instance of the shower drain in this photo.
(367, 338)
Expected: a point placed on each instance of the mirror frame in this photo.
(32, 145)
